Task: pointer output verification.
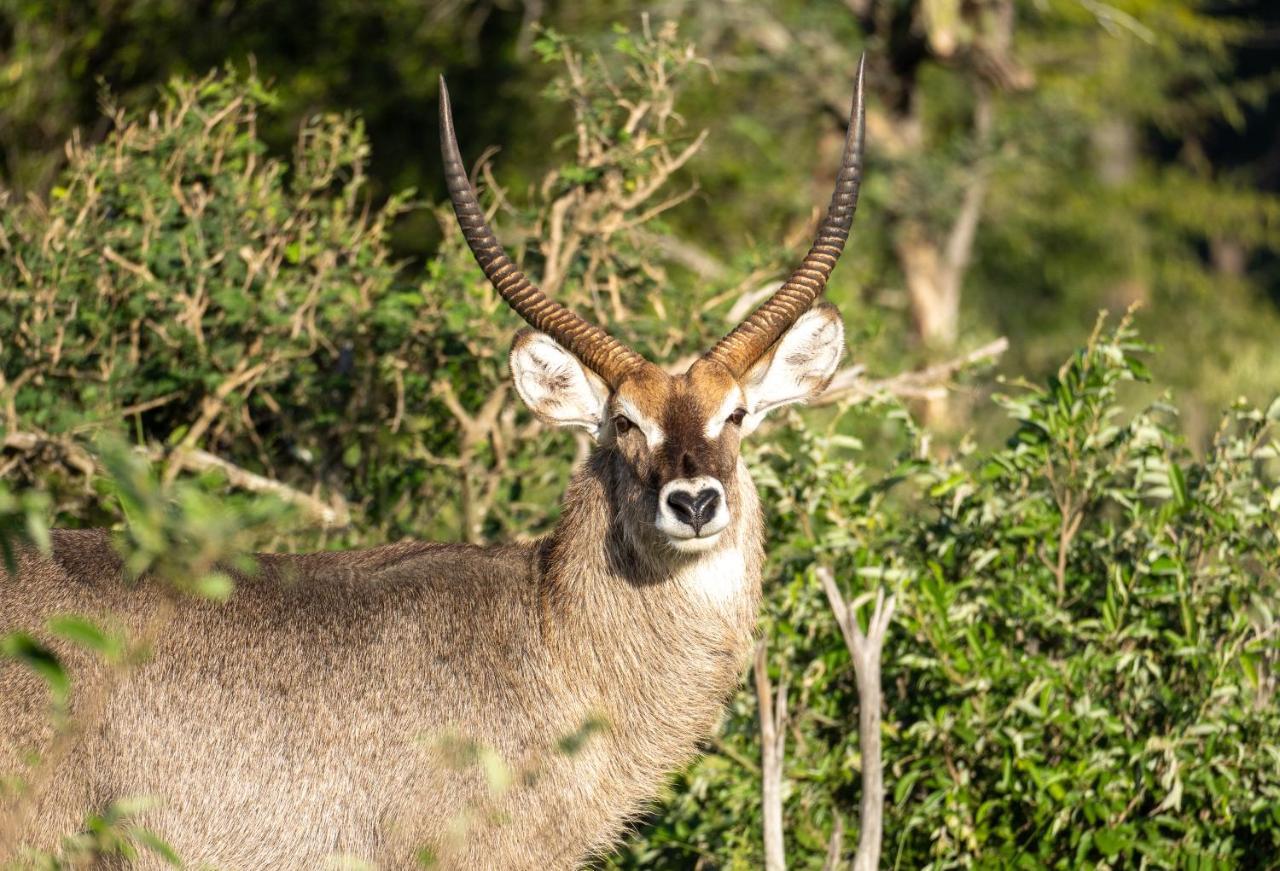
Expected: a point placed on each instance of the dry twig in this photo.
(317, 510)
(865, 650)
(477, 429)
(927, 383)
(832, 862)
(773, 739)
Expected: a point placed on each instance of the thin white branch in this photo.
(930, 382)
(965, 229)
(336, 514)
(835, 846)
(773, 739)
(864, 650)
(661, 173)
(748, 301)
(687, 254)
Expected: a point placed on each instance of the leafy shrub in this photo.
(185, 286)
(1082, 672)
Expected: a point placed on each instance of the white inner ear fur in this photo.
(555, 386)
(799, 367)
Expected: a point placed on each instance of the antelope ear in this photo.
(798, 367)
(555, 386)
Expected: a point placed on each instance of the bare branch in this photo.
(773, 739)
(935, 269)
(748, 301)
(688, 255)
(653, 211)
(864, 650)
(964, 230)
(74, 455)
(928, 383)
(212, 406)
(834, 846)
(138, 269)
(317, 510)
(561, 242)
(336, 514)
(477, 430)
(661, 173)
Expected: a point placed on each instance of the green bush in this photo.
(1082, 669)
(183, 285)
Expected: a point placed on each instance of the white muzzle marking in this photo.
(692, 512)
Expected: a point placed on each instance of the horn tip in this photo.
(448, 143)
(857, 118)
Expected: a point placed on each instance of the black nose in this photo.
(694, 509)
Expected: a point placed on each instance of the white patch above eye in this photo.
(653, 433)
(733, 401)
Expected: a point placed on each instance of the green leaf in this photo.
(157, 845)
(216, 586)
(84, 632)
(1178, 482)
(1110, 842)
(25, 649)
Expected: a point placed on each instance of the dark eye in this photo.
(737, 417)
(622, 425)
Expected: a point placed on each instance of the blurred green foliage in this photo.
(22, 518)
(1082, 672)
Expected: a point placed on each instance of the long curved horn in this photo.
(597, 350)
(750, 339)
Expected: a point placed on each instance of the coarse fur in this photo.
(338, 703)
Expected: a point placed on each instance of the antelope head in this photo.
(674, 438)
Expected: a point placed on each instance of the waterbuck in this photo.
(332, 705)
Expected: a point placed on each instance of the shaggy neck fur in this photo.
(657, 637)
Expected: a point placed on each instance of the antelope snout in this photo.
(694, 509)
(692, 512)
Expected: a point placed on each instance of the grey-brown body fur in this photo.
(305, 717)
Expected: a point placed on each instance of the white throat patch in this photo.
(717, 578)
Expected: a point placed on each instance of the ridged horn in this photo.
(750, 339)
(595, 348)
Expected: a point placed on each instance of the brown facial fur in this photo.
(682, 406)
